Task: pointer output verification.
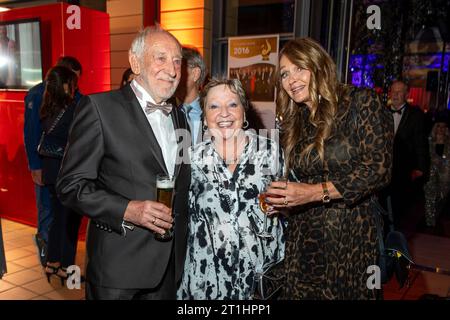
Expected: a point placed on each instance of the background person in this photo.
(127, 77)
(32, 132)
(437, 188)
(193, 73)
(60, 85)
(410, 163)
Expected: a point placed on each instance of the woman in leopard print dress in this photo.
(338, 145)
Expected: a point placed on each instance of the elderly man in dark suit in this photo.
(119, 142)
(411, 158)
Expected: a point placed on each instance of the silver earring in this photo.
(320, 98)
(245, 125)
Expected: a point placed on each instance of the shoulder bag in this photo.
(48, 146)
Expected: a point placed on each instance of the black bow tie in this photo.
(399, 111)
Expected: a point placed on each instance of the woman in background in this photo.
(61, 83)
(438, 186)
(127, 77)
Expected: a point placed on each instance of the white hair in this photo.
(138, 46)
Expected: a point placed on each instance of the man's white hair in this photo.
(138, 46)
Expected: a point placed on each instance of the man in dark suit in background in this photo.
(411, 160)
(193, 75)
(119, 142)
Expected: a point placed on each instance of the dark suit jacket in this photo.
(113, 157)
(410, 146)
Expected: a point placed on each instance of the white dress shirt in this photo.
(398, 118)
(162, 127)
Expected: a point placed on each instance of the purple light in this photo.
(361, 69)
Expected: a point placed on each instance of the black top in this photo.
(50, 166)
(411, 150)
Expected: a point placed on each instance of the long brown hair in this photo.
(55, 96)
(323, 90)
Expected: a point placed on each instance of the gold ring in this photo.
(285, 201)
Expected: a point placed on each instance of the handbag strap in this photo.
(60, 115)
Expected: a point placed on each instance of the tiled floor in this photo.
(26, 279)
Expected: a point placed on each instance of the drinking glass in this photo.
(164, 191)
(264, 206)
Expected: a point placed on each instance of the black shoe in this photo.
(42, 249)
(51, 270)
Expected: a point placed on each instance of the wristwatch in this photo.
(326, 194)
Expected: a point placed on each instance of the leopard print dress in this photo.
(329, 247)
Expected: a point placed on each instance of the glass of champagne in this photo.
(164, 191)
(264, 205)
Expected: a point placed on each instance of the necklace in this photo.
(237, 150)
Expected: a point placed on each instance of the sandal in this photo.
(50, 270)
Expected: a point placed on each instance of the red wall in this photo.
(91, 46)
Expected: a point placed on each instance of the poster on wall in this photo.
(254, 60)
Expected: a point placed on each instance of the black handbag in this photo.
(394, 253)
(48, 145)
(268, 282)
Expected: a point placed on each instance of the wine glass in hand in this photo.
(265, 207)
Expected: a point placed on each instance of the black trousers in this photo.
(408, 202)
(63, 233)
(166, 290)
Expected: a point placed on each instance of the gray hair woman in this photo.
(224, 249)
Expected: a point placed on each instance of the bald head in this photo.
(399, 93)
